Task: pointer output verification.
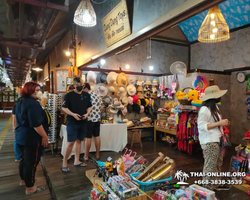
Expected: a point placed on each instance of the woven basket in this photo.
(185, 102)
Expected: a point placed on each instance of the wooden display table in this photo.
(90, 175)
(157, 128)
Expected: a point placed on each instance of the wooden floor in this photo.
(9, 178)
(75, 185)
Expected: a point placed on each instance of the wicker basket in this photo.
(185, 102)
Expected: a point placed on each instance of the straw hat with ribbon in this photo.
(148, 81)
(101, 77)
(213, 92)
(107, 100)
(112, 89)
(124, 101)
(122, 91)
(131, 80)
(139, 81)
(155, 82)
(101, 89)
(122, 79)
(131, 89)
(111, 78)
(91, 77)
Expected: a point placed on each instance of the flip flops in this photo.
(65, 169)
(38, 190)
(81, 165)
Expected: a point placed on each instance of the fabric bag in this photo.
(224, 141)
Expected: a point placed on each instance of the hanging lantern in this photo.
(85, 14)
(214, 28)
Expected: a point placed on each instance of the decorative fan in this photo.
(178, 67)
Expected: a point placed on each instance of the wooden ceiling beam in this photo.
(46, 5)
(17, 44)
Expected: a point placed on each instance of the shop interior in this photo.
(147, 85)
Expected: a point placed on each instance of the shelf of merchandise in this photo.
(165, 131)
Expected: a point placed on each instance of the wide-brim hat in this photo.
(111, 78)
(101, 77)
(140, 95)
(139, 81)
(112, 109)
(122, 79)
(147, 94)
(122, 91)
(145, 119)
(213, 92)
(148, 81)
(131, 89)
(91, 77)
(131, 80)
(112, 89)
(107, 100)
(101, 89)
(124, 101)
(139, 88)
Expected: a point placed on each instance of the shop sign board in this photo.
(116, 24)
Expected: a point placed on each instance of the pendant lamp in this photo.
(214, 28)
(85, 14)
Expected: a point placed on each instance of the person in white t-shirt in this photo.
(210, 127)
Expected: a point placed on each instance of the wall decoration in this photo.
(61, 75)
(240, 77)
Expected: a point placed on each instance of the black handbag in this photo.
(224, 141)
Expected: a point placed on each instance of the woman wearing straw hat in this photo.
(210, 126)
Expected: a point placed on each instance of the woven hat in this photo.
(124, 101)
(101, 77)
(155, 82)
(131, 80)
(112, 89)
(111, 78)
(107, 100)
(213, 92)
(135, 99)
(101, 89)
(131, 89)
(139, 81)
(139, 88)
(148, 81)
(91, 77)
(140, 95)
(145, 119)
(122, 91)
(147, 94)
(122, 79)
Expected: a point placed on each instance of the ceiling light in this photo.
(127, 66)
(214, 27)
(85, 14)
(67, 53)
(151, 68)
(102, 61)
(37, 69)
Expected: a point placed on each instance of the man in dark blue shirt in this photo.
(77, 105)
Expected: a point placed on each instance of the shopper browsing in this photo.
(31, 135)
(93, 123)
(77, 105)
(210, 126)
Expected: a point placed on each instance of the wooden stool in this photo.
(134, 136)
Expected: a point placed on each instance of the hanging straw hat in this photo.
(213, 92)
(124, 101)
(112, 89)
(111, 78)
(107, 100)
(122, 91)
(131, 80)
(122, 79)
(101, 77)
(148, 81)
(155, 82)
(101, 89)
(139, 81)
(131, 89)
(91, 77)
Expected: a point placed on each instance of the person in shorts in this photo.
(93, 123)
(77, 105)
